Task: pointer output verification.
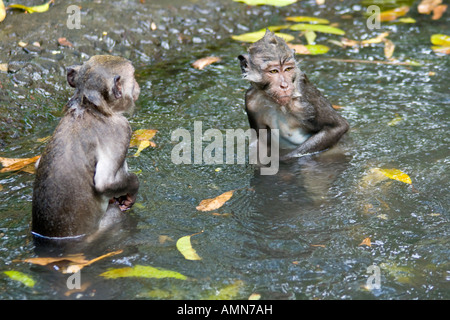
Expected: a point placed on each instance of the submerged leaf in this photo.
(142, 272)
(21, 277)
(256, 35)
(366, 242)
(276, 3)
(215, 203)
(389, 48)
(228, 292)
(308, 19)
(185, 248)
(41, 8)
(317, 27)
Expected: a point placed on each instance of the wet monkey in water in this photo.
(82, 183)
(281, 97)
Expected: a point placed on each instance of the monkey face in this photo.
(280, 79)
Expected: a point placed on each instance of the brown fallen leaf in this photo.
(203, 62)
(64, 42)
(15, 164)
(215, 203)
(336, 107)
(426, 6)
(391, 15)
(438, 11)
(366, 242)
(318, 245)
(299, 48)
(70, 263)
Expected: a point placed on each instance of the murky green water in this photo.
(295, 235)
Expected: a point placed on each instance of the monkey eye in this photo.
(273, 71)
(288, 68)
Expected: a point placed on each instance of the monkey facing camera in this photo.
(82, 183)
(281, 97)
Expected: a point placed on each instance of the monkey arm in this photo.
(112, 178)
(324, 139)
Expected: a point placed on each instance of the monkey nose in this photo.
(284, 85)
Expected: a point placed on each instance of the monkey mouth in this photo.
(283, 100)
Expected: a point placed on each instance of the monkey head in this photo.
(106, 82)
(270, 66)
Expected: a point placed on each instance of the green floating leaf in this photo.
(315, 49)
(278, 28)
(185, 248)
(275, 3)
(310, 36)
(440, 40)
(317, 27)
(142, 272)
(21, 277)
(308, 19)
(255, 36)
(407, 20)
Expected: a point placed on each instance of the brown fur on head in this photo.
(107, 82)
(271, 67)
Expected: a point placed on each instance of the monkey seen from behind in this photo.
(82, 183)
(281, 97)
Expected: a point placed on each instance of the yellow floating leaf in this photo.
(215, 203)
(256, 35)
(308, 19)
(317, 28)
(141, 139)
(41, 8)
(142, 272)
(254, 296)
(366, 242)
(396, 174)
(373, 177)
(440, 39)
(203, 62)
(2, 11)
(278, 28)
(21, 277)
(14, 164)
(275, 3)
(185, 248)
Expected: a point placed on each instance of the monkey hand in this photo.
(124, 202)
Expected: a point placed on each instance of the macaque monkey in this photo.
(281, 97)
(82, 183)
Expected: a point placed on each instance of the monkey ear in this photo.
(117, 88)
(244, 63)
(72, 73)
